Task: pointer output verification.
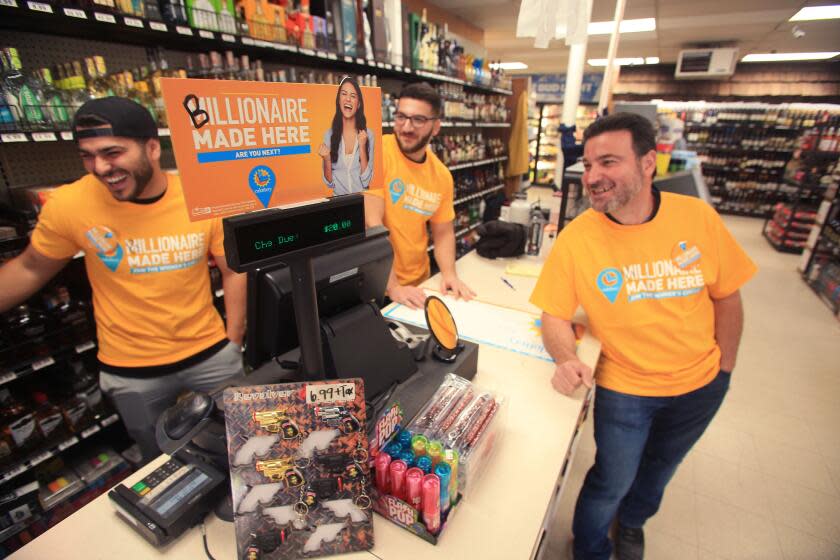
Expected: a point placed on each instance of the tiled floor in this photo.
(764, 480)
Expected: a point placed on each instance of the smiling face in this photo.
(124, 165)
(348, 100)
(614, 175)
(411, 139)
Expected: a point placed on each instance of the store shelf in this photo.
(750, 170)
(479, 194)
(27, 368)
(736, 149)
(737, 124)
(835, 308)
(807, 186)
(48, 136)
(40, 16)
(469, 164)
(51, 451)
(782, 248)
(458, 124)
(458, 234)
(745, 213)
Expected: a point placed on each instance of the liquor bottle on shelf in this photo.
(71, 317)
(58, 105)
(174, 11)
(20, 431)
(85, 385)
(48, 417)
(22, 95)
(97, 84)
(27, 330)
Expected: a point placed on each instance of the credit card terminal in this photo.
(169, 500)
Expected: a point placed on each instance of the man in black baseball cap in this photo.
(158, 331)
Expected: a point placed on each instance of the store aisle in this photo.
(764, 481)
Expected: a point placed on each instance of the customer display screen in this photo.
(273, 233)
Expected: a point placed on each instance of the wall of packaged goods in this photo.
(58, 446)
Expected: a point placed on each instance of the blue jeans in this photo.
(640, 442)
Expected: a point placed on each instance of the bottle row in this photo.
(346, 27)
(63, 400)
(756, 114)
(822, 139)
(458, 148)
(468, 106)
(827, 282)
(29, 333)
(476, 180)
(716, 159)
(744, 139)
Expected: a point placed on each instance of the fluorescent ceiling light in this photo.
(817, 12)
(509, 65)
(778, 57)
(635, 61)
(626, 26)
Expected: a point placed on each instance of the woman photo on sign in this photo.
(347, 150)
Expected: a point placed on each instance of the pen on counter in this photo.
(509, 285)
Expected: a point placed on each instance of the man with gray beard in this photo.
(659, 277)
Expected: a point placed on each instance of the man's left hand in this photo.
(454, 285)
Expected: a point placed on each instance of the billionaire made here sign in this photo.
(243, 146)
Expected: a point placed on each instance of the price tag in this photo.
(330, 392)
(85, 347)
(20, 469)
(44, 137)
(110, 420)
(389, 66)
(332, 56)
(206, 34)
(227, 38)
(8, 3)
(40, 7)
(40, 458)
(360, 60)
(380, 65)
(41, 364)
(163, 132)
(66, 135)
(247, 41)
(348, 59)
(15, 137)
(320, 54)
(133, 22)
(73, 12)
(69, 443)
(407, 70)
(90, 431)
(183, 30)
(282, 47)
(6, 377)
(307, 52)
(104, 18)
(158, 26)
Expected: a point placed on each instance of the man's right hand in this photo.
(411, 296)
(569, 375)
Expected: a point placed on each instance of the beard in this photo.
(420, 144)
(141, 176)
(623, 193)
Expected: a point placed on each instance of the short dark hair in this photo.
(644, 136)
(423, 92)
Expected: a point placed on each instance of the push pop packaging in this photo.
(422, 470)
(299, 469)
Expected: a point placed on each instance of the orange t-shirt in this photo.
(647, 291)
(416, 193)
(147, 265)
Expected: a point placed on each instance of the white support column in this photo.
(606, 87)
(574, 79)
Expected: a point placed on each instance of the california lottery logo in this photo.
(685, 254)
(106, 247)
(262, 181)
(536, 327)
(609, 282)
(397, 189)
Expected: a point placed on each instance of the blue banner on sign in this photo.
(233, 155)
(550, 88)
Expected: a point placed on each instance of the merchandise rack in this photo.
(822, 253)
(37, 16)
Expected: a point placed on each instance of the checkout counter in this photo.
(504, 515)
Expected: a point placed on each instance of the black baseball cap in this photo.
(126, 117)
